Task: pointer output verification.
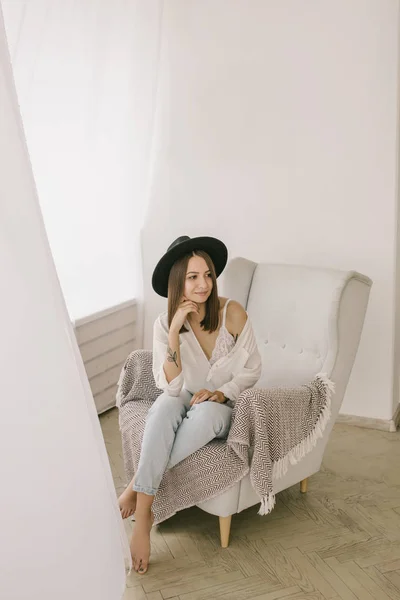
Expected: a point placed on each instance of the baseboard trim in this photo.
(367, 423)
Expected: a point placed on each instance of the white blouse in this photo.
(231, 374)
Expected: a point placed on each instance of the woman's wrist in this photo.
(173, 335)
(221, 396)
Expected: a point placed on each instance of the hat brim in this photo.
(216, 249)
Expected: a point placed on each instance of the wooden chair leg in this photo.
(303, 485)
(225, 528)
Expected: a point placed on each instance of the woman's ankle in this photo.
(143, 506)
(143, 512)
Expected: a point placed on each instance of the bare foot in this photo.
(140, 543)
(127, 502)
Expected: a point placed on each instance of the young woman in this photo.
(204, 356)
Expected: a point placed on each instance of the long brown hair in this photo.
(176, 286)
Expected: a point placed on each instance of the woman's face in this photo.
(198, 282)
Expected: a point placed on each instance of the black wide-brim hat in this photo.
(216, 249)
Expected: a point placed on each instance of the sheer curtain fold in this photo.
(71, 158)
(86, 76)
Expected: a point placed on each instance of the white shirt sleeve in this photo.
(160, 345)
(250, 373)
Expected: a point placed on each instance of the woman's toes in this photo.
(127, 503)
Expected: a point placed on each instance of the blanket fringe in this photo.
(267, 504)
(297, 453)
(118, 396)
(328, 383)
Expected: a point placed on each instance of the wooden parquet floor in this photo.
(341, 540)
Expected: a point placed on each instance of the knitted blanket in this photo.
(270, 428)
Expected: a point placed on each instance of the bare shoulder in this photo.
(236, 317)
(222, 302)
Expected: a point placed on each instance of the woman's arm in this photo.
(244, 380)
(172, 364)
(236, 319)
(167, 366)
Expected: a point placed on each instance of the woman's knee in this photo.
(219, 415)
(169, 408)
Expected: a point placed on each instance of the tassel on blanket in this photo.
(267, 504)
(280, 467)
(323, 377)
(118, 396)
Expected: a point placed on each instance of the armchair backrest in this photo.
(301, 318)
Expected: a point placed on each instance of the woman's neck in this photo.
(193, 318)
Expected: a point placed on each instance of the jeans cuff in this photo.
(144, 490)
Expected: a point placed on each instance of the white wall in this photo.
(277, 131)
(86, 75)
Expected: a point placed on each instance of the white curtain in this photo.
(61, 532)
(86, 77)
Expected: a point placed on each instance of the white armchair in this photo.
(306, 320)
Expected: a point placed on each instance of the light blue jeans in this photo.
(173, 431)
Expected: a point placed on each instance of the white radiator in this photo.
(105, 339)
